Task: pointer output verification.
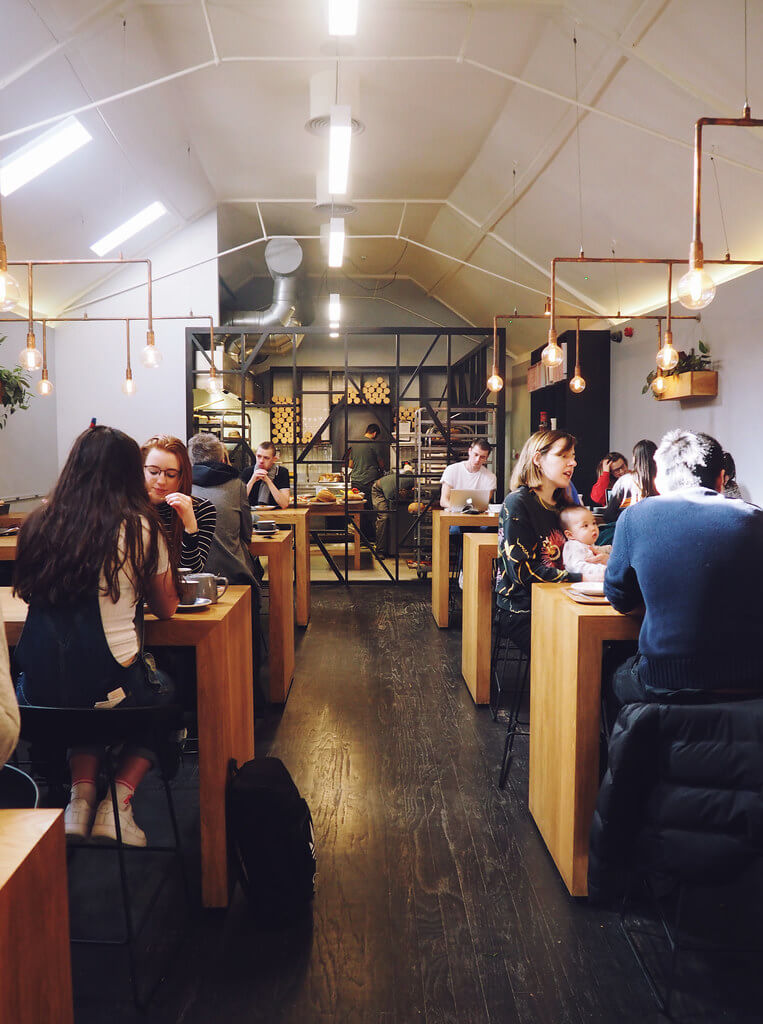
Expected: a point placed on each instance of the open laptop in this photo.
(462, 501)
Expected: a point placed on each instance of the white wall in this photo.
(730, 326)
(90, 360)
(28, 446)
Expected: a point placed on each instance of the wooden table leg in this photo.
(226, 729)
(280, 622)
(440, 571)
(35, 968)
(476, 620)
(302, 568)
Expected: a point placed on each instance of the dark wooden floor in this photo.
(436, 900)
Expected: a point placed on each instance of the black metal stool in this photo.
(505, 656)
(55, 728)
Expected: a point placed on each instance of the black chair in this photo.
(680, 809)
(48, 729)
(507, 659)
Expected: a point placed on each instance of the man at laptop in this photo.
(470, 475)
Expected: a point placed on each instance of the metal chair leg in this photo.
(513, 724)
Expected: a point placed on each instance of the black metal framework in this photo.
(465, 384)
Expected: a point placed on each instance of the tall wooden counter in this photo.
(441, 523)
(565, 696)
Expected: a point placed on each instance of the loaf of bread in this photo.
(416, 506)
(325, 495)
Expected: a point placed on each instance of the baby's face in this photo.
(583, 529)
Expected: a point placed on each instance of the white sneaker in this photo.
(461, 580)
(105, 827)
(78, 817)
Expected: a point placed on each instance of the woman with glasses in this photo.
(188, 522)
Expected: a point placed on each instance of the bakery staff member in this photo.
(267, 483)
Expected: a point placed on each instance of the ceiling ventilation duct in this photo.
(283, 258)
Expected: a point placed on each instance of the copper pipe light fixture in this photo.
(667, 357)
(44, 386)
(30, 357)
(658, 384)
(128, 384)
(577, 384)
(495, 380)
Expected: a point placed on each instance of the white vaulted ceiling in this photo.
(454, 96)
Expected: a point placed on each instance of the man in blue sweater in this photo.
(694, 560)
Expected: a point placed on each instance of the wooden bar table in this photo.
(278, 551)
(35, 967)
(222, 637)
(480, 551)
(565, 697)
(329, 509)
(441, 523)
(297, 518)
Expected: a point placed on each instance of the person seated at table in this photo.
(694, 560)
(85, 563)
(188, 522)
(267, 483)
(469, 475)
(634, 485)
(9, 708)
(581, 553)
(215, 480)
(730, 485)
(530, 538)
(385, 494)
(609, 470)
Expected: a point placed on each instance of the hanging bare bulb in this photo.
(30, 357)
(215, 385)
(494, 381)
(44, 387)
(577, 384)
(552, 354)
(658, 384)
(696, 289)
(547, 307)
(128, 384)
(667, 357)
(151, 357)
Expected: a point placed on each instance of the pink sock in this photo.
(125, 793)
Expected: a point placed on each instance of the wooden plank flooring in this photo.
(436, 900)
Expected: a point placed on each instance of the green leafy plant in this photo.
(687, 361)
(15, 391)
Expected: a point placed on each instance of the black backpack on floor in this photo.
(271, 834)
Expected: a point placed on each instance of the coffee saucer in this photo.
(198, 604)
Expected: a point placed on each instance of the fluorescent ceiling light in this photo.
(128, 229)
(336, 241)
(43, 152)
(340, 136)
(343, 17)
(334, 334)
(335, 309)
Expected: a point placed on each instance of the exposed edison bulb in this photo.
(128, 384)
(9, 292)
(696, 289)
(494, 382)
(215, 385)
(44, 387)
(151, 356)
(667, 357)
(577, 384)
(658, 384)
(547, 307)
(30, 357)
(552, 354)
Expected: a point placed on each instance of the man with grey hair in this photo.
(694, 560)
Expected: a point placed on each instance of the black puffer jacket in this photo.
(682, 796)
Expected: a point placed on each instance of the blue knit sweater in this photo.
(695, 560)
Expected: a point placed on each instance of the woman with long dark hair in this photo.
(85, 562)
(635, 485)
(189, 522)
(530, 539)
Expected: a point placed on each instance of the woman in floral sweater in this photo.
(530, 538)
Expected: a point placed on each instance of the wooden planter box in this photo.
(695, 384)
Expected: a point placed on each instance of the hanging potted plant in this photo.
(691, 377)
(14, 391)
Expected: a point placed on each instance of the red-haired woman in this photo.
(188, 522)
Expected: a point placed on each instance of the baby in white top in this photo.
(580, 552)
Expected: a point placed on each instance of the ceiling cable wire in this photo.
(514, 231)
(746, 91)
(577, 134)
(617, 280)
(720, 207)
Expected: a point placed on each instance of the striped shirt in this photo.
(195, 547)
